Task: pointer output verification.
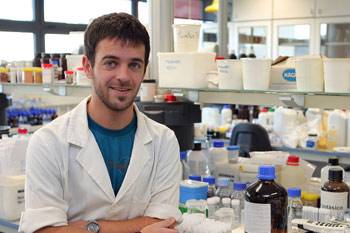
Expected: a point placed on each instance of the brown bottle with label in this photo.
(335, 194)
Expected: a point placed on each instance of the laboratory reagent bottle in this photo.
(335, 194)
(211, 185)
(238, 192)
(332, 163)
(295, 206)
(223, 189)
(265, 207)
(197, 161)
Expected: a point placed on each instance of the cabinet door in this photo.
(327, 8)
(288, 9)
(248, 10)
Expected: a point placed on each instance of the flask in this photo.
(197, 161)
(265, 203)
(238, 192)
(295, 206)
(292, 175)
(211, 185)
(223, 189)
(184, 165)
(335, 194)
(332, 163)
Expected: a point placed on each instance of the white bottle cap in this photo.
(235, 202)
(213, 200)
(226, 201)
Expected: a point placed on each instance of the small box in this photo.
(185, 70)
(11, 197)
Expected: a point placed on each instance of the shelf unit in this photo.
(267, 98)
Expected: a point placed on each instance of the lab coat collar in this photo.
(78, 130)
(91, 159)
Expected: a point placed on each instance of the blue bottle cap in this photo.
(209, 179)
(222, 181)
(239, 186)
(232, 147)
(183, 155)
(266, 172)
(194, 177)
(294, 192)
(226, 106)
(218, 143)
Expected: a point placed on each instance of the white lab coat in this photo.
(67, 179)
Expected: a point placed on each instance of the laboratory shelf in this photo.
(267, 98)
(316, 155)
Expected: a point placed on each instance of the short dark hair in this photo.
(121, 26)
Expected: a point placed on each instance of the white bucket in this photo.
(309, 74)
(230, 74)
(336, 74)
(256, 74)
(186, 37)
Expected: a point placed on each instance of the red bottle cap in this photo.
(170, 98)
(293, 160)
(22, 131)
(219, 58)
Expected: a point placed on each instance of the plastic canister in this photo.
(230, 74)
(337, 128)
(190, 189)
(186, 37)
(217, 155)
(293, 174)
(336, 71)
(256, 73)
(47, 73)
(148, 90)
(309, 74)
(232, 153)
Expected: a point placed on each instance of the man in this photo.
(104, 166)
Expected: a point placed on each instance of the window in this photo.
(17, 10)
(72, 42)
(16, 46)
(143, 12)
(82, 11)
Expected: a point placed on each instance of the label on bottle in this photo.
(336, 202)
(257, 217)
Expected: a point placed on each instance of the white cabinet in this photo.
(288, 9)
(248, 10)
(326, 8)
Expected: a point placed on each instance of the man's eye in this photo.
(135, 66)
(110, 64)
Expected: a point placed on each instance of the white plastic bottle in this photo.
(293, 175)
(217, 155)
(226, 114)
(337, 128)
(332, 163)
(197, 161)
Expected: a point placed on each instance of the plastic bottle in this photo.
(226, 114)
(232, 153)
(295, 206)
(336, 128)
(213, 205)
(236, 206)
(223, 189)
(265, 207)
(194, 177)
(226, 202)
(332, 163)
(217, 155)
(211, 185)
(184, 165)
(238, 192)
(197, 161)
(335, 194)
(292, 175)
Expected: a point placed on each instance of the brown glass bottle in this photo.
(266, 204)
(335, 194)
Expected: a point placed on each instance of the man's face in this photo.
(117, 73)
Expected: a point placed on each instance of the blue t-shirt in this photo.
(116, 147)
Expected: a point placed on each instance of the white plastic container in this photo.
(185, 70)
(197, 161)
(256, 74)
(218, 155)
(148, 90)
(81, 78)
(336, 74)
(230, 74)
(293, 174)
(11, 197)
(47, 73)
(186, 37)
(226, 114)
(309, 74)
(337, 128)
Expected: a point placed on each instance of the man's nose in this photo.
(123, 73)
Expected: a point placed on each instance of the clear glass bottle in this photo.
(295, 206)
(236, 220)
(211, 185)
(223, 190)
(232, 153)
(213, 205)
(184, 165)
(238, 192)
(266, 204)
(197, 161)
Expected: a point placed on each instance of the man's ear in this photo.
(87, 67)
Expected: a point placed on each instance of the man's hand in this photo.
(164, 226)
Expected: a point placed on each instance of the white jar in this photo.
(226, 114)
(47, 73)
(148, 90)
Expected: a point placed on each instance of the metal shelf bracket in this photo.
(293, 100)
